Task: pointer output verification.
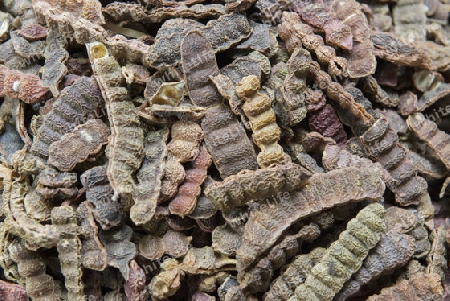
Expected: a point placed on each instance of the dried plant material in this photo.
(205, 261)
(37, 207)
(52, 184)
(266, 132)
(174, 244)
(10, 142)
(200, 296)
(76, 104)
(345, 255)
(321, 192)
(167, 281)
(282, 288)
(409, 19)
(87, 9)
(394, 250)
(127, 136)
(392, 49)
(199, 64)
(420, 286)
(165, 114)
(84, 141)
(119, 248)
(326, 122)
(257, 279)
(99, 193)
(248, 185)
(226, 240)
(12, 292)
(93, 253)
(361, 60)
(427, 131)
(337, 93)
(149, 177)
(227, 143)
(33, 32)
(185, 200)
(173, 176)
(135, 74)
(427, 166)
(31, 265)
(25, 86)
(55, 58)
(242, 67)
(260, 40)
(432, 96)
(186, 137)
(17, 222)
(227, 31)
(378, 95)
(171, 93)
(425, 80)
(437, 258)
(135, 288)
(64, 218)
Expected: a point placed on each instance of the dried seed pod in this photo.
(149, 177)
(171, 93)
(392, 49)
(12, 292)
(282, 288)
(248, 185)
(173, 176)
(428, 131)
(260, 40)
(107, 211)
(266, 132)
(420, 286)
(93, 253)
(378, 95)
(337, 93)
(392, 251)
(167, 282)
(270, 11)
(225, 239)
(229, 146)
(321, 192)
(135, 74)
(345, 255)
(257, 279)
(437, 258)
(25, 86)
(199, 64)
(186, 198)
(119, 248)
(326, 122)
(165, 115)
(427, 166)
(242, 67)
(31, 265)
(135, 288)
(174, 244)
(84, 141)
(55, 58)
(33, 32)
(52, 184)
(37, 206)
(76, 104)
(361, 59)
(205, 261)
(127, 136)
(87, 9)
(295, 34)
(186, 137)
(64, 218)
(432, 96)
(409, 19)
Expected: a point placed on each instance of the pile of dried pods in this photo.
(224, 150)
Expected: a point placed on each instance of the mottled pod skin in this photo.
(344, 256)
(127, 136)
(266, 133)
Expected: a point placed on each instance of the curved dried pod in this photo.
(186, 198)
(198, 61)
(344, 256)
(337, 93)
(436, 259)
(381, 142)
(205, 261)
(38, 284)
(186, 137)
(174, 244)
(64, 218)
(25, 86)
(93, 253)
(426, 166)
(52, 184)
(326, 122)
(294, 274)
(295, 33)
(165, 115)
(248, 185)
(107, 211)
(301, 157)
(420, 286)
(135, 288)
(86, 140)
(257, 279)
(432, 96)
(378, 95)
(266, 133)
(77, 103)
(169, 93)
(392, 251)
(149, 177)
(321, 192)
(119, 248)
(227, 143)
(427, 131)
(167, 282)
(17, 222)
(12, 292)
(127, 135)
